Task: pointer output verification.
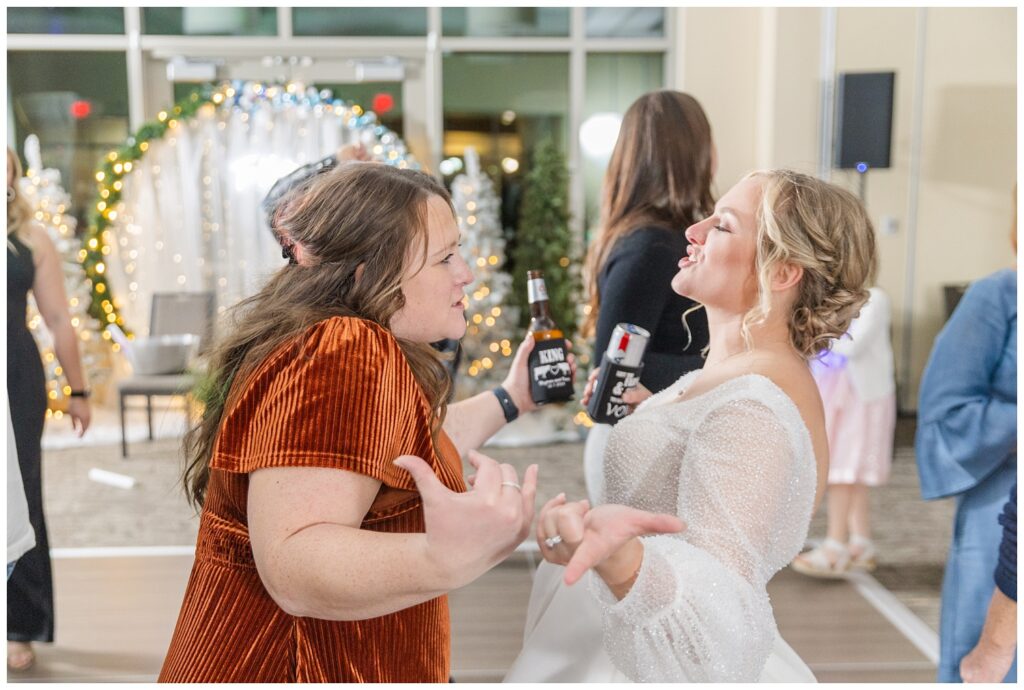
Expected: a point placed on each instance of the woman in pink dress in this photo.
(859, 394)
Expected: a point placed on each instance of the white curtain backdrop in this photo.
(190, 217)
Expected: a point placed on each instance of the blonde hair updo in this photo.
(825, 230)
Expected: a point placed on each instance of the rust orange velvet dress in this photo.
(343, 396)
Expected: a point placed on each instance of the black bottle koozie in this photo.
(606, 405)
(550, 373)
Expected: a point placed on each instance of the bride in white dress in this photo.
(710, 484)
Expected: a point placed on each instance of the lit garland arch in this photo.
(178, 205)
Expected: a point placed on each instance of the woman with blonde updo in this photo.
(710, 485)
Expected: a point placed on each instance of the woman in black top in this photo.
(658, 183)
(34, 265)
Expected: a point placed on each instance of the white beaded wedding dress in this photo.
(736, 464)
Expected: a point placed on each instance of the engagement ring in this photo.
(554, 541)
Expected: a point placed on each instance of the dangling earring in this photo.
(11, 194)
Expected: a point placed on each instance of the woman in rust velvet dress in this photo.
(334, 513)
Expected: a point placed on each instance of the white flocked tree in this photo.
(491, 335)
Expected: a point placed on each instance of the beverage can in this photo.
(627, 344)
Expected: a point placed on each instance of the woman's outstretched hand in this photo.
(603, 538)
(469, 533)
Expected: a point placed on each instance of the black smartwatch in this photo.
(80, 394)
(507, 406)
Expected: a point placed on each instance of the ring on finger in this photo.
(514, 485)
(552, 542)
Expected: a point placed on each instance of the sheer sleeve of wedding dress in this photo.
(737, 465)
(745, 487)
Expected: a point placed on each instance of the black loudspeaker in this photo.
(864, 120)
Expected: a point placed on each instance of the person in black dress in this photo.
(33, 264)
(658, 183)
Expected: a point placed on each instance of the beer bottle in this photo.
(550, 374)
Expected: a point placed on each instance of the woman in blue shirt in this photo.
(966, 447)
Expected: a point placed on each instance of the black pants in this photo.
(30, 588)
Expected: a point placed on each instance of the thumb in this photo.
(427, 483)
(587, 555)
(525, 347)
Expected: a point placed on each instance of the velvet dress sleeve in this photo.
(341, 396)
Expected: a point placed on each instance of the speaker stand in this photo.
(862, 175)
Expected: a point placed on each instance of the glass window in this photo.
(614, 81)
(65, 20)
(359, 21)
(505, 21)
(503, 104)
(184, 89)
(77, 104)
(210, 21)
(383, 98)
(625, 22)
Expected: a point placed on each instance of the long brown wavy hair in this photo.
(659, 174)
(357, 224)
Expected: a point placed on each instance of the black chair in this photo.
(172, 313)
(952, 294)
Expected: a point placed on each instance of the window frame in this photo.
(429, 48)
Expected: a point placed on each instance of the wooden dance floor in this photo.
(115, 616)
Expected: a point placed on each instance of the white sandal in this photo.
(865, 560)
(830, 560)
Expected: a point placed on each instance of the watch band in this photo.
(507, 406)
(80, 394)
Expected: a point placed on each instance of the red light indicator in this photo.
(81, 109)
(383, 102)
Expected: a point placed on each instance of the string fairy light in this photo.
(213, 101)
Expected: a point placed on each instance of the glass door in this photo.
(394, 88)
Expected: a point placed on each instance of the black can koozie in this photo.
(606, 405)
(550, 373)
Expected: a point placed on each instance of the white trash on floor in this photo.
(121, 481)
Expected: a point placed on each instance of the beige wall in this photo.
(968, 161)
(716, 50)
(757, 72)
